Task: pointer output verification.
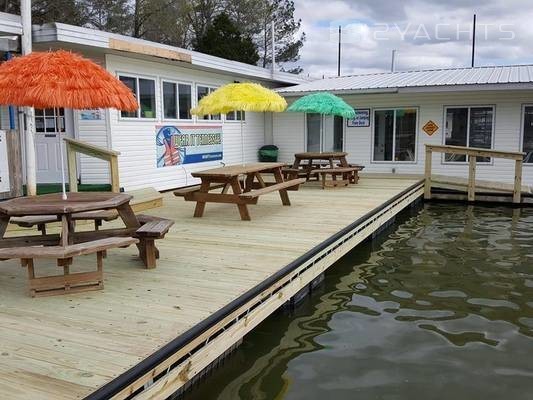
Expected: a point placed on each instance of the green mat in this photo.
(45, 188)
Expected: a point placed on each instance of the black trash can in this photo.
(268, 153)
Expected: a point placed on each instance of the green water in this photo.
(440, 307)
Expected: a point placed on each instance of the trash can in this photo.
(268, 153)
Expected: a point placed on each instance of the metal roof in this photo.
(85, 37)
(494, 77)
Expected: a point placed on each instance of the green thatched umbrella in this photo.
(322, 103)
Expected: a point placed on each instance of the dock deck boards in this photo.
(67, 346)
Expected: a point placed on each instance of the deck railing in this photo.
(472, 153)
(77, 146)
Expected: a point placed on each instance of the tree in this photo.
(66, 11)
(223, 39)
(108, 15)
(289, 41)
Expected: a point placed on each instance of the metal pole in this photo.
(339, 53)
(273, 34)
(393, 61)
(473, 41)
(29, 112)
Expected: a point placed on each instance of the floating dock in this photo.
(149, 332)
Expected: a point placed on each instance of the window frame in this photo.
(235, 120)
(177, 83)
(211, 87)
(372, 134)
(468, 106)
(137, 96)
(56, 114)
(522, 130)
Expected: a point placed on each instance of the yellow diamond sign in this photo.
(430, 128)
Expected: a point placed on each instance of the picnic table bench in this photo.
(68, 244)
(319, 165)
(229, 177)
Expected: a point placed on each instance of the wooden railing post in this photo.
(517, 192)
(113, 166)
(472, 178)
(427, 174)
(72, 169)
(77, 146)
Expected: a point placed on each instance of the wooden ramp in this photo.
(218, 277)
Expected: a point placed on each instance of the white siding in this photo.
(135, 139)
(4, 117)
(289, 132)
(93, 170)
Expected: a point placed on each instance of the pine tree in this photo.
(223, 39)
(108, 15)
(288, 38)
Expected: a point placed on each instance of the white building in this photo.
(490, 107)
(168, 82)
(483, 107)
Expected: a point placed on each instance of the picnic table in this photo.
(315, 164)
(68, 244)
(244, 194)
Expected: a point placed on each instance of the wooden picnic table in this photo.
(68, 244)
(229, 177)
(53, 204)
(332, 163)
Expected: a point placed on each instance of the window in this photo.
(236, 116)
(144, 91)
(468, 127)
(527, 139)
(324, 133)
(46, 120)
(202, 91)
(395, 135)
(177, 100)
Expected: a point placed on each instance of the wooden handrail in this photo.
(77, 146)
(473, 153)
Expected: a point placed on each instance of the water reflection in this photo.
(440, 308)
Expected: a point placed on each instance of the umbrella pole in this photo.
(58, 128)
(242, 141)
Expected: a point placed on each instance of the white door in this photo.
(325, 133)
(49, 124)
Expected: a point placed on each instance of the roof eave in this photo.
(10, 24)
(64, 33)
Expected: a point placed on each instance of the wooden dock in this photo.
(150, 331)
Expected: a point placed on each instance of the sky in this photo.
(426, 34)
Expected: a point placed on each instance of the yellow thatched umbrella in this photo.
(240, 97)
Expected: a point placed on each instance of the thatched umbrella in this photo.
(61, 79)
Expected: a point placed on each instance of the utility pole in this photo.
(339, 53)
(273, 33)
(29, 112)
(393, 61)
(473, 41)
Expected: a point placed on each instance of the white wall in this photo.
(135, 139)
(289, 132)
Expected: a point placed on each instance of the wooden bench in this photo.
(41, 220)
(68, 282)
(354, 177)
(346, 173)
(253, 194)
(183, 192)
(152, 228)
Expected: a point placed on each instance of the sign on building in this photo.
(178, 145)
(430, 128)
(361, 119)
(4, 166)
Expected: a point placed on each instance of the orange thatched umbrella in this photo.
(61, 79)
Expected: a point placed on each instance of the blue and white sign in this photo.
(361, 119)
(178, 145)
